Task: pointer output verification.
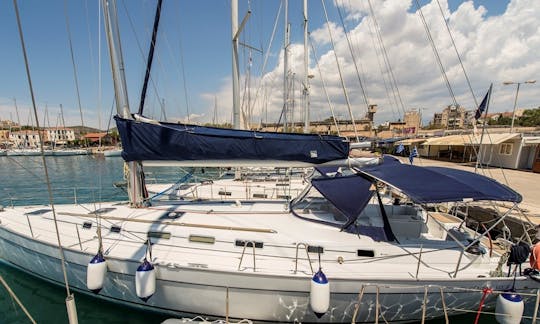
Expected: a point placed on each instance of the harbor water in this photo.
(82, 179)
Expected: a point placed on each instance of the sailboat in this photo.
(365, 240)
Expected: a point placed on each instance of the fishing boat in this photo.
(366, 239)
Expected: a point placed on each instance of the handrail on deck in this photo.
(296, 258)
(244, 251)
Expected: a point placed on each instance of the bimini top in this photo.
(438, 184)
(145, 140)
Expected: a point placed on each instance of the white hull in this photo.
(69, 152)
(112, 153)
(28, 152)
(193, 277)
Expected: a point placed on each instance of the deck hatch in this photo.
(116, 229)
(38, 212)
(101, 211)
(87, 225)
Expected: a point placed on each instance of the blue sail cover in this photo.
(438, 184)
(142, 141)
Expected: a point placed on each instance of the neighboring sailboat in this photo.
(335, 253)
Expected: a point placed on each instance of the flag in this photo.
(400, 148)
(483, 104)
(413, 154)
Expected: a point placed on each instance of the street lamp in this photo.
(515, 100)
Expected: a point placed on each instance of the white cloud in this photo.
(493, 49)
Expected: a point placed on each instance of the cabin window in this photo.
(319, 208)
(242, 243)
(315, 249)
(365, 253)
(506, 149)
(163, 235)
(202, 239)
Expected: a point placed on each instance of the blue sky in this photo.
(194, 42)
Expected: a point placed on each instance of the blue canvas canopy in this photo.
(144, 141)
(438, 184)
(350, 195)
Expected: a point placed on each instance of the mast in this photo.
(306, 85)
(286, 67)
(134, 181)
(235, 68)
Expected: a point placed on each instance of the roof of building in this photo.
(94, 135)
(470, 139)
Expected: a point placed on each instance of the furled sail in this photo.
(147, 140)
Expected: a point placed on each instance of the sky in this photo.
(394, 68)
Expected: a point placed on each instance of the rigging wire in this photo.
(150, 56)
(179, 70)
(184, 79)
(334, 119)
(266, 56)
(49, 188)
(340, 74)
(392, 77)
(92, 62)
(12, 294)
(437, 56)
(73, 61)
(139, 46)
(364, 94)
(392, 100)
(458, 55)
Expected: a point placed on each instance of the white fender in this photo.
(319, 298)
(509, 308)
(145, 280)
(96, 272)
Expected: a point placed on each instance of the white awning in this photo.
(470, 139)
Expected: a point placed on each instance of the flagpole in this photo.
(478, 157)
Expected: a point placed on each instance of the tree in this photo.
(530, 118)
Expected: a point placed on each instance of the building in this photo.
(4, 138)
(413, 122)
(25, 138)
(505, 150)
(96, 138)
(7, 124)
(344, 127)
(59, 135)
(452, 117)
